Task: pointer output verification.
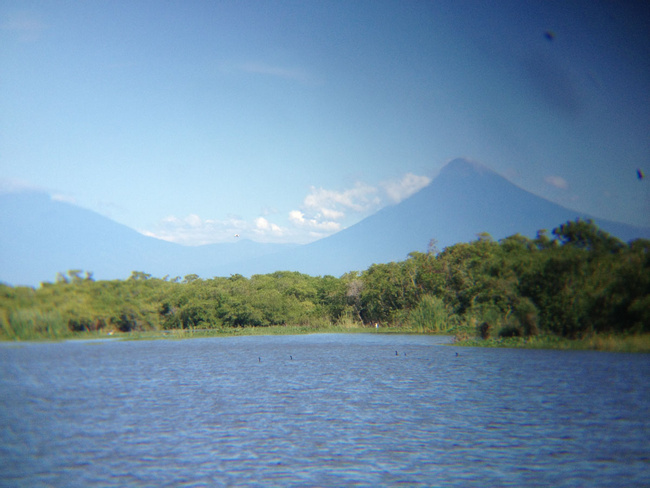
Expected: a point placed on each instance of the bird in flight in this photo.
(639, 174)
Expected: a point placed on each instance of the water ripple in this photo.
(321, 410)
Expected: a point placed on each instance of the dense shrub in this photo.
(430, 315)
(581, 281)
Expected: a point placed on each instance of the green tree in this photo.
(584, 234)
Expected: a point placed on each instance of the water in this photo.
(320, 410)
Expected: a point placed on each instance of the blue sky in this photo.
(286, 121)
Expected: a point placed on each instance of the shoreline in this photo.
(602, 343)
(638, 344)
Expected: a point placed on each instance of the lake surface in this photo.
(326, 410)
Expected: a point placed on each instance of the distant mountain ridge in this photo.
(41, 237)
(465, 199)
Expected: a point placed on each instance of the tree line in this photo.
(574, 281)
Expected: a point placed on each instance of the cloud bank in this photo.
(323, 212)
(192, 230)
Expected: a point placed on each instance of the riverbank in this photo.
(247, 331)
(611, 343)
(345, 328)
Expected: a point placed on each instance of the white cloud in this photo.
(407, 186)
(195, 221)
(194, 231)
(328, 226)
(358, 199)
(263, 226)
(297, 217)
(328, 213)
(322, 212)
(171, 220)
(557, 182)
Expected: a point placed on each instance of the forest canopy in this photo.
(574, 281)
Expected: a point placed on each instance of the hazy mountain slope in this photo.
(465, 199)
(41, 237)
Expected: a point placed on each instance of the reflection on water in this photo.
(320, 410)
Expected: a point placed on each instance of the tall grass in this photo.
(347, 321)
(242, 331)
(32, 324)
(430, 315)
(595, 342)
